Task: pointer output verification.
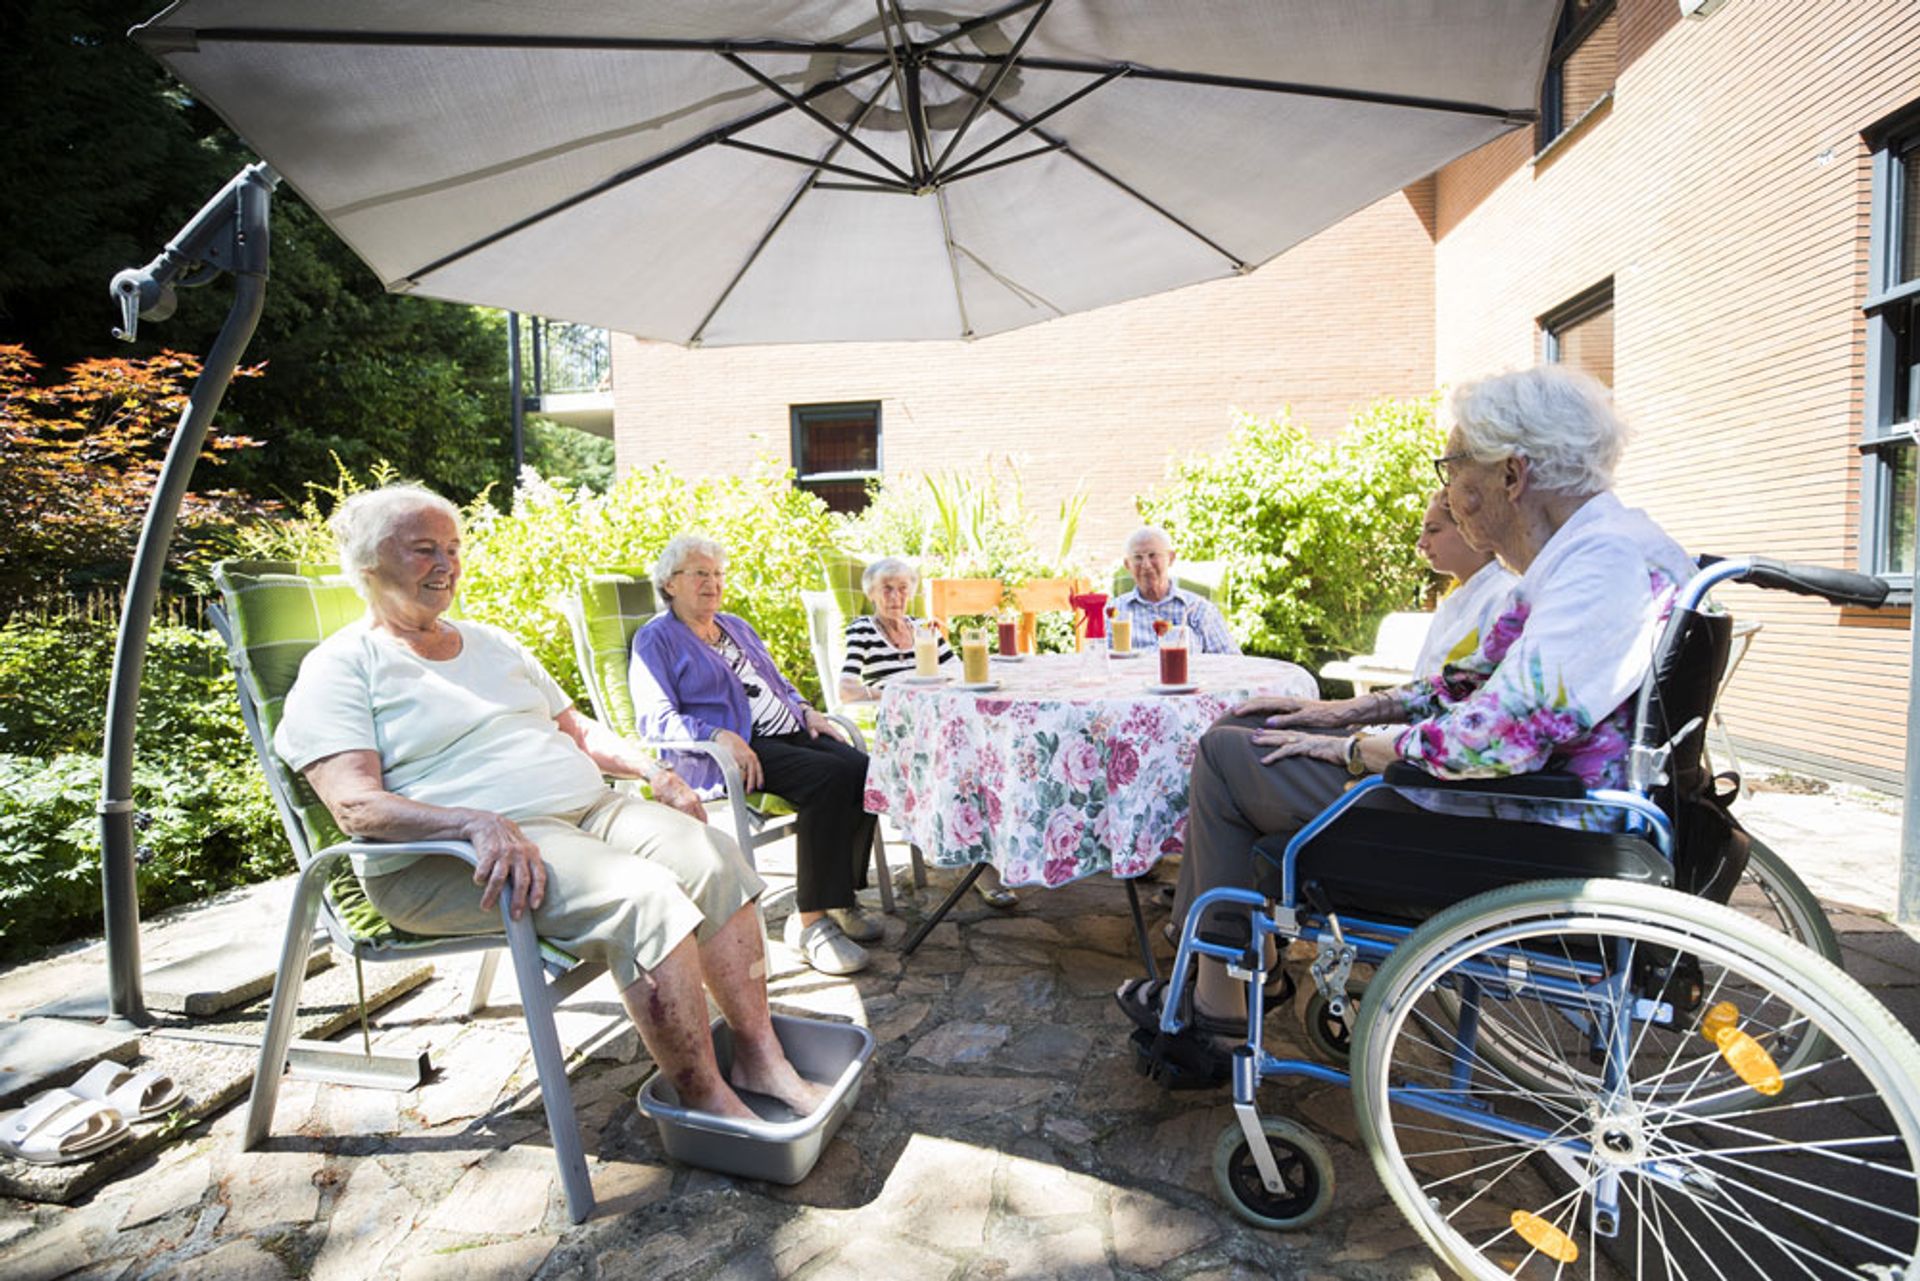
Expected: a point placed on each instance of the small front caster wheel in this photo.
(1306, 1172)
(1330, 1038)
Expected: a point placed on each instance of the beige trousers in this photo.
(627, 880)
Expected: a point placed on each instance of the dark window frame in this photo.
(1583, 306)
(1890, 304)
(798, 416)
(1567, 39)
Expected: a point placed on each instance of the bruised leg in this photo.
(734, 960)
(669, 1006)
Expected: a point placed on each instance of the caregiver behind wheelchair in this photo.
(1527, 475)
(411, 726)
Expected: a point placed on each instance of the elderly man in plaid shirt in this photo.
(1154, 597)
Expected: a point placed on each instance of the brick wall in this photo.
(1108, 396)
(1724, 191)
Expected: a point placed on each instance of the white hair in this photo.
(1561, 420)
(1145, 533)
(678, 551)
(889, 567)
(368, 518)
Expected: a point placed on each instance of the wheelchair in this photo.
(1573, 1058)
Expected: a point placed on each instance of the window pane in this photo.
(841, 444)
(1897, 552)
(1908, 267)
(1587, 344)
(1906, 364)
(1588, 72)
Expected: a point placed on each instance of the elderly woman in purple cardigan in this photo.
(700, 674)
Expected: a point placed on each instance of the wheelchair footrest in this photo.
(1179, 1062)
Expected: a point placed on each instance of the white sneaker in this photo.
(857, 923)
(824, 946)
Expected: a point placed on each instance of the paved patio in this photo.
(1002, 1132)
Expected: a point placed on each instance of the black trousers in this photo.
(826, 782)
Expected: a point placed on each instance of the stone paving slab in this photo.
(1002, 1134)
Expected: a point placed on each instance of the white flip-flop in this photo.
(138, 1096)
(58, 1126)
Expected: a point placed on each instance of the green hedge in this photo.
(204, 822)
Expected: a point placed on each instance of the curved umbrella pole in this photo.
(230, 233)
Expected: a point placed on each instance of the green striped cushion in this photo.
(840, 574)
(616, 602)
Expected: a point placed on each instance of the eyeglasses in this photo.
(1443, 466)
(704, 575)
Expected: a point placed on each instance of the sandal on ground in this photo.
(57, 1126)
(137, 1096)
(996, 895)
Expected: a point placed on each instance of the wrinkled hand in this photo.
(1331, 748)
(818, 724)
(504, 851)
(1284, 711)
(744, 758)
(672, 791)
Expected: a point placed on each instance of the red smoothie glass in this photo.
(1173, 656)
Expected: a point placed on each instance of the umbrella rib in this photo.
(627, 175)
(812, 113)
(993, 86)
(1238, 263)
(1049, 149)
(953, 264)
(1511, 115)
(974, 24)
(880, 181)
(963, 167)
(911, 106)
(807, 184)
(165, 40)
(899, 80)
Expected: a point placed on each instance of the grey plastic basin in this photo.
(780, 1146)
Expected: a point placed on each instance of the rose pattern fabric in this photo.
(1049, 780)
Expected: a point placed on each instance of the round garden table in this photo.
(1054, 776)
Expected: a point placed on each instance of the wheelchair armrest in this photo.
(1405, 775)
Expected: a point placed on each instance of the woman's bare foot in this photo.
(714, 1097)
(765, 1070)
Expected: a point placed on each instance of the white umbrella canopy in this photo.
(735, 171)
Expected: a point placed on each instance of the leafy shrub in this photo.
(520, 562)
(79, 460)
(205, 820)
(1318, 535)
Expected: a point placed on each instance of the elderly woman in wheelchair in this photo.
(413, 726)
(1562, 1064)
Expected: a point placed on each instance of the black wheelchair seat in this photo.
(1402, 866)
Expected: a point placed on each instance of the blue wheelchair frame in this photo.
(1584, 992)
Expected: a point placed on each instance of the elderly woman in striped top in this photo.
(880, 647)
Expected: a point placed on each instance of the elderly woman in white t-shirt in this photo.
(413, 726)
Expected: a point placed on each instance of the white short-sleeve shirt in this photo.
(474, 730)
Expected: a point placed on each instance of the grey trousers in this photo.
(627, 879)
(1234, 800)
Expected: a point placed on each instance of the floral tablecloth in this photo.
(1053, 777)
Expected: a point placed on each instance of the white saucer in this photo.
(978, 687)
(1008, 658)
(1172, 689)
(936, 679)
(1124, 654)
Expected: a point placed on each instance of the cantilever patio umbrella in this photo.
(737, 171)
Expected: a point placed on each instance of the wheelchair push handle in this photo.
(1838, 586)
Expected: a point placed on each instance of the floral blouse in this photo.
(1554, 681)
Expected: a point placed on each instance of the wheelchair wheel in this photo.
(1769, 892)
(1305, 1168)
(1637, 1163)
